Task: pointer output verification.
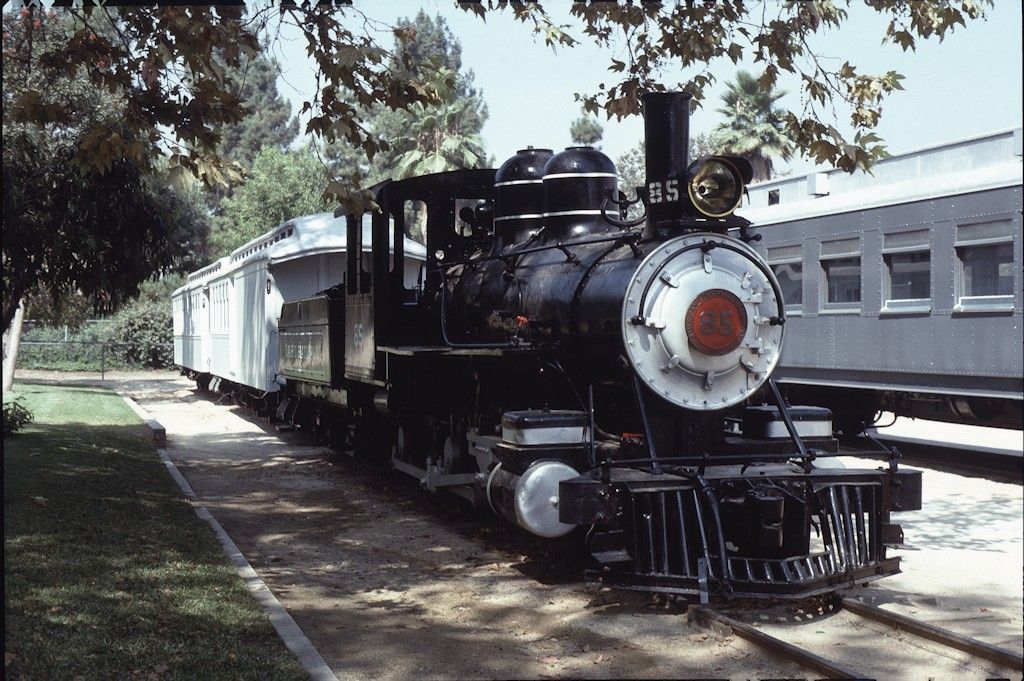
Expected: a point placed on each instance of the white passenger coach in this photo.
(226, 315)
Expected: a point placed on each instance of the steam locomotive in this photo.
(576, 367)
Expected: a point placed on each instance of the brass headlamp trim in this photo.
(696, 198)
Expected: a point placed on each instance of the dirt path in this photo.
(390, 582)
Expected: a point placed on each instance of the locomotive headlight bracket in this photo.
(715, 184)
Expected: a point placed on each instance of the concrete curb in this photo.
(294, 638)
(157, 433)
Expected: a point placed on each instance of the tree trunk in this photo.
(11, 306)
(762, 166)
(11, 350)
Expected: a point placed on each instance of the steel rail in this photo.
(973, 646)
(988, 464)
(704, 616)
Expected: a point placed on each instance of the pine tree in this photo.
(423, 138)
(269, 121)
(586, 131)
(433, 46)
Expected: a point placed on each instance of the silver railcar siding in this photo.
(949, 343)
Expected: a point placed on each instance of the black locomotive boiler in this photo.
(571, 364)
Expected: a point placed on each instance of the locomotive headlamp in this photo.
(715, 185)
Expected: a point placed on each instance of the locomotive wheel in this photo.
(413, 441)
(331, 429)
(345, 439)
(320, 430)
(455, 456)
(335, 438)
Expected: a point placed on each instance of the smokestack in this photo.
(667, 138)
(667, 133)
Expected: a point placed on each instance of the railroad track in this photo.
(706, 616)
(996, 465)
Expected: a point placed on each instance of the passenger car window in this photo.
(985, 258)
(906, 256)
(986, 270)
(842, 280)
(909, 275)
(840, 269)
(787, 264)
(791, 282)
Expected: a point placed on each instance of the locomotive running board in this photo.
(449, 351)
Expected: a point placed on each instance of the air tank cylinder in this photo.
(576, 183)
(519, 197)
(530, 500)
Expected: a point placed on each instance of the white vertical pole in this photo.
(11, 351)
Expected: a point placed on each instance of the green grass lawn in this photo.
(108, 573)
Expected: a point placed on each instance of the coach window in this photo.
(391, 237)
(463, 228)
(985, 255)
(416, 228)
(908, 277)
(840, 268)
(787, 264)
(416, 221)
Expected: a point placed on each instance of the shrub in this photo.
(141, 334)
(138, 336)
(16, 417)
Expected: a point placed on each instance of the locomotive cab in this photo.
(385, 308)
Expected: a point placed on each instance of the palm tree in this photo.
(753, 127)
(436, 138)
(433, 138)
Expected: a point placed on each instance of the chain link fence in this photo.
(99, 356)
(87, 349)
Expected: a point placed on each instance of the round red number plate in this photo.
(716, 322)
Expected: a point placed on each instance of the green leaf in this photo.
(435, 163)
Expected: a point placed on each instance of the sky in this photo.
(969, 84)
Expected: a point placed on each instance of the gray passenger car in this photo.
(903, 289)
